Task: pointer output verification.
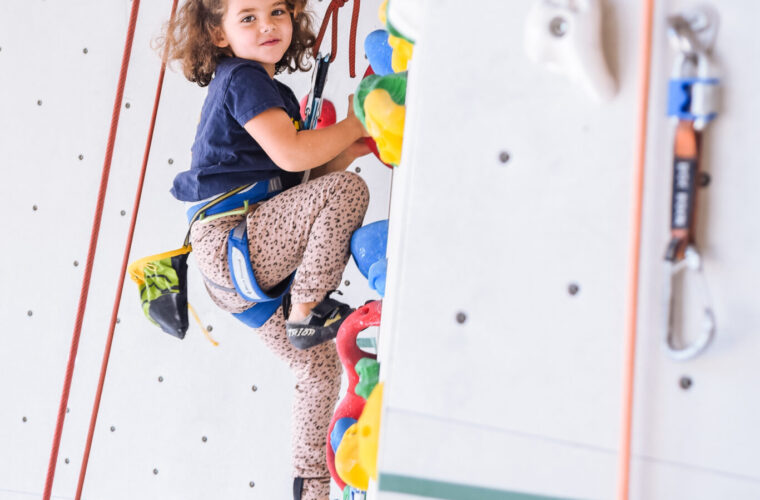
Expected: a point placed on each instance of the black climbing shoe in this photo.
(319, 326)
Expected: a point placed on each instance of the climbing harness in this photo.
(692, 99)
(162, 278)
(332, 14)
(238, 256)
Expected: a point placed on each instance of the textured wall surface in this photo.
(504, 378)
(178, 419)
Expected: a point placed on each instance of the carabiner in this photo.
(692, 262)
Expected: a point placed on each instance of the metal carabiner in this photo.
(692, 262)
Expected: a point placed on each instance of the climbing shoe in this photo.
(319, 326)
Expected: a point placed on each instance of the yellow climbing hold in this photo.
(347, 463)
(382, 12)
(402, 52)
(385, 123)
(369, 431)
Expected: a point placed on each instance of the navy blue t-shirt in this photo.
(225, 155)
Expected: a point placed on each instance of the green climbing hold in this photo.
(368, 370)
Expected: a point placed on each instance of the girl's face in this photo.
(259, 30)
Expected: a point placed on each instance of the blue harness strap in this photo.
(239, 260)
(238, 255)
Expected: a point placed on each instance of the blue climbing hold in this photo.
(379, 52)
(340, 427)
(369, 244)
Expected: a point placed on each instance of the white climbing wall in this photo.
(178, 419)
(503, 327)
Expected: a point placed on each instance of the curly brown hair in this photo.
(190, 37)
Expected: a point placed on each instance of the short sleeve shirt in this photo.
(225, 155)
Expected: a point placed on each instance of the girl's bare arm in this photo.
(297, 151)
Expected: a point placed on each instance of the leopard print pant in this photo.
(307, 228)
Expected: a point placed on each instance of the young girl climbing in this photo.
(249, 134)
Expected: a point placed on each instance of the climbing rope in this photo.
(332, 13)
(91, 252)
(123, 271)
(629, 350)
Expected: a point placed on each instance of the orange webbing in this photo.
(629, 353)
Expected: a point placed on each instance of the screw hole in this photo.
(704, 179)
(461, 317)
(558, 27)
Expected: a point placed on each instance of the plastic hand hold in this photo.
(402, 53)
(369, 431)
(369, 244)
(340, 428)
(347, 463)
(379, 104)
(385, 123)
(351, 405)
(369, 373)
(326, 118)
(379, 53)
(403, 18)
(376, 276)
(373, 147)
(566, 36)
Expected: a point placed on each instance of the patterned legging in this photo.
(307, 228)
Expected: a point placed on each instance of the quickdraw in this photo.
(692, 99)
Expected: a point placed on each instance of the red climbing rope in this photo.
(91, 252)
(123, 272)
(332, 12)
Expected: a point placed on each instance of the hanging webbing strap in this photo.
(692, 99)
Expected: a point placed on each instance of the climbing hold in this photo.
(566, 37)
(326, 118)
(403, 19)
(379, 52)
(369, 373)
(402, 53)
(379, 104)
(385, 123)
(349, 352)
(347, 463)
(369, 244)
(377, 274)
(339, 430)
(369, 431)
